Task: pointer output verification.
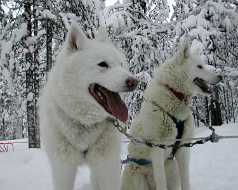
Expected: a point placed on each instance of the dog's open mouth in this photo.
(110, 101)
(203, 85)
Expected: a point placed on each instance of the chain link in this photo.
(198, 141)
(213, 138)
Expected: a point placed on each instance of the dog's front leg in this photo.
(183, 164)
(105, 170)
(183, 156)
(157, 156)
(63, 174)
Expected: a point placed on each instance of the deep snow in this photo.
(213, 166)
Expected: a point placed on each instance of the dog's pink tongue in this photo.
(117, 107)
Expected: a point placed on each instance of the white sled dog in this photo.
(80, 95)
(165, 116)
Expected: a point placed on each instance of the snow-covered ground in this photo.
(213, 166)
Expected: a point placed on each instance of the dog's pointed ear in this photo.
(196, 48)
(102, 34)
(186, 46)
(186, 50)
(183, 49)
(76, 39)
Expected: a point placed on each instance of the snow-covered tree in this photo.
(31, 33)
(140, 28)
(213, 24)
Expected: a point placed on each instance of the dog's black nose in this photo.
(220, 77)
(132, 83)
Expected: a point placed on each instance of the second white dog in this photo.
(167, 96)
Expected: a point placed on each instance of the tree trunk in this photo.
(216, 118)
(49, 38)
(207, 115)
(32, 79)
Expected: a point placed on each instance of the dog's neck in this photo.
(66, 117)
(179, 95)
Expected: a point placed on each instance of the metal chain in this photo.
(200, 140)
(213, 138)
(136, 140)
(202, 120)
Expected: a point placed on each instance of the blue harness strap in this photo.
(141, 162)
(180, 130)
(179, 124)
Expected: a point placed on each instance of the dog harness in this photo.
(141, 162)
(180, 130)
(179, 124)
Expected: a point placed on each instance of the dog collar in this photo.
(181, 96)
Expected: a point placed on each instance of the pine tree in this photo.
(145, 38)
(210, 24)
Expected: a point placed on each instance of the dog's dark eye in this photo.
(200, 66)
(103, 64)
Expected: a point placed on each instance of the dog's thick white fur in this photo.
(179, 74)
(74, 126)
